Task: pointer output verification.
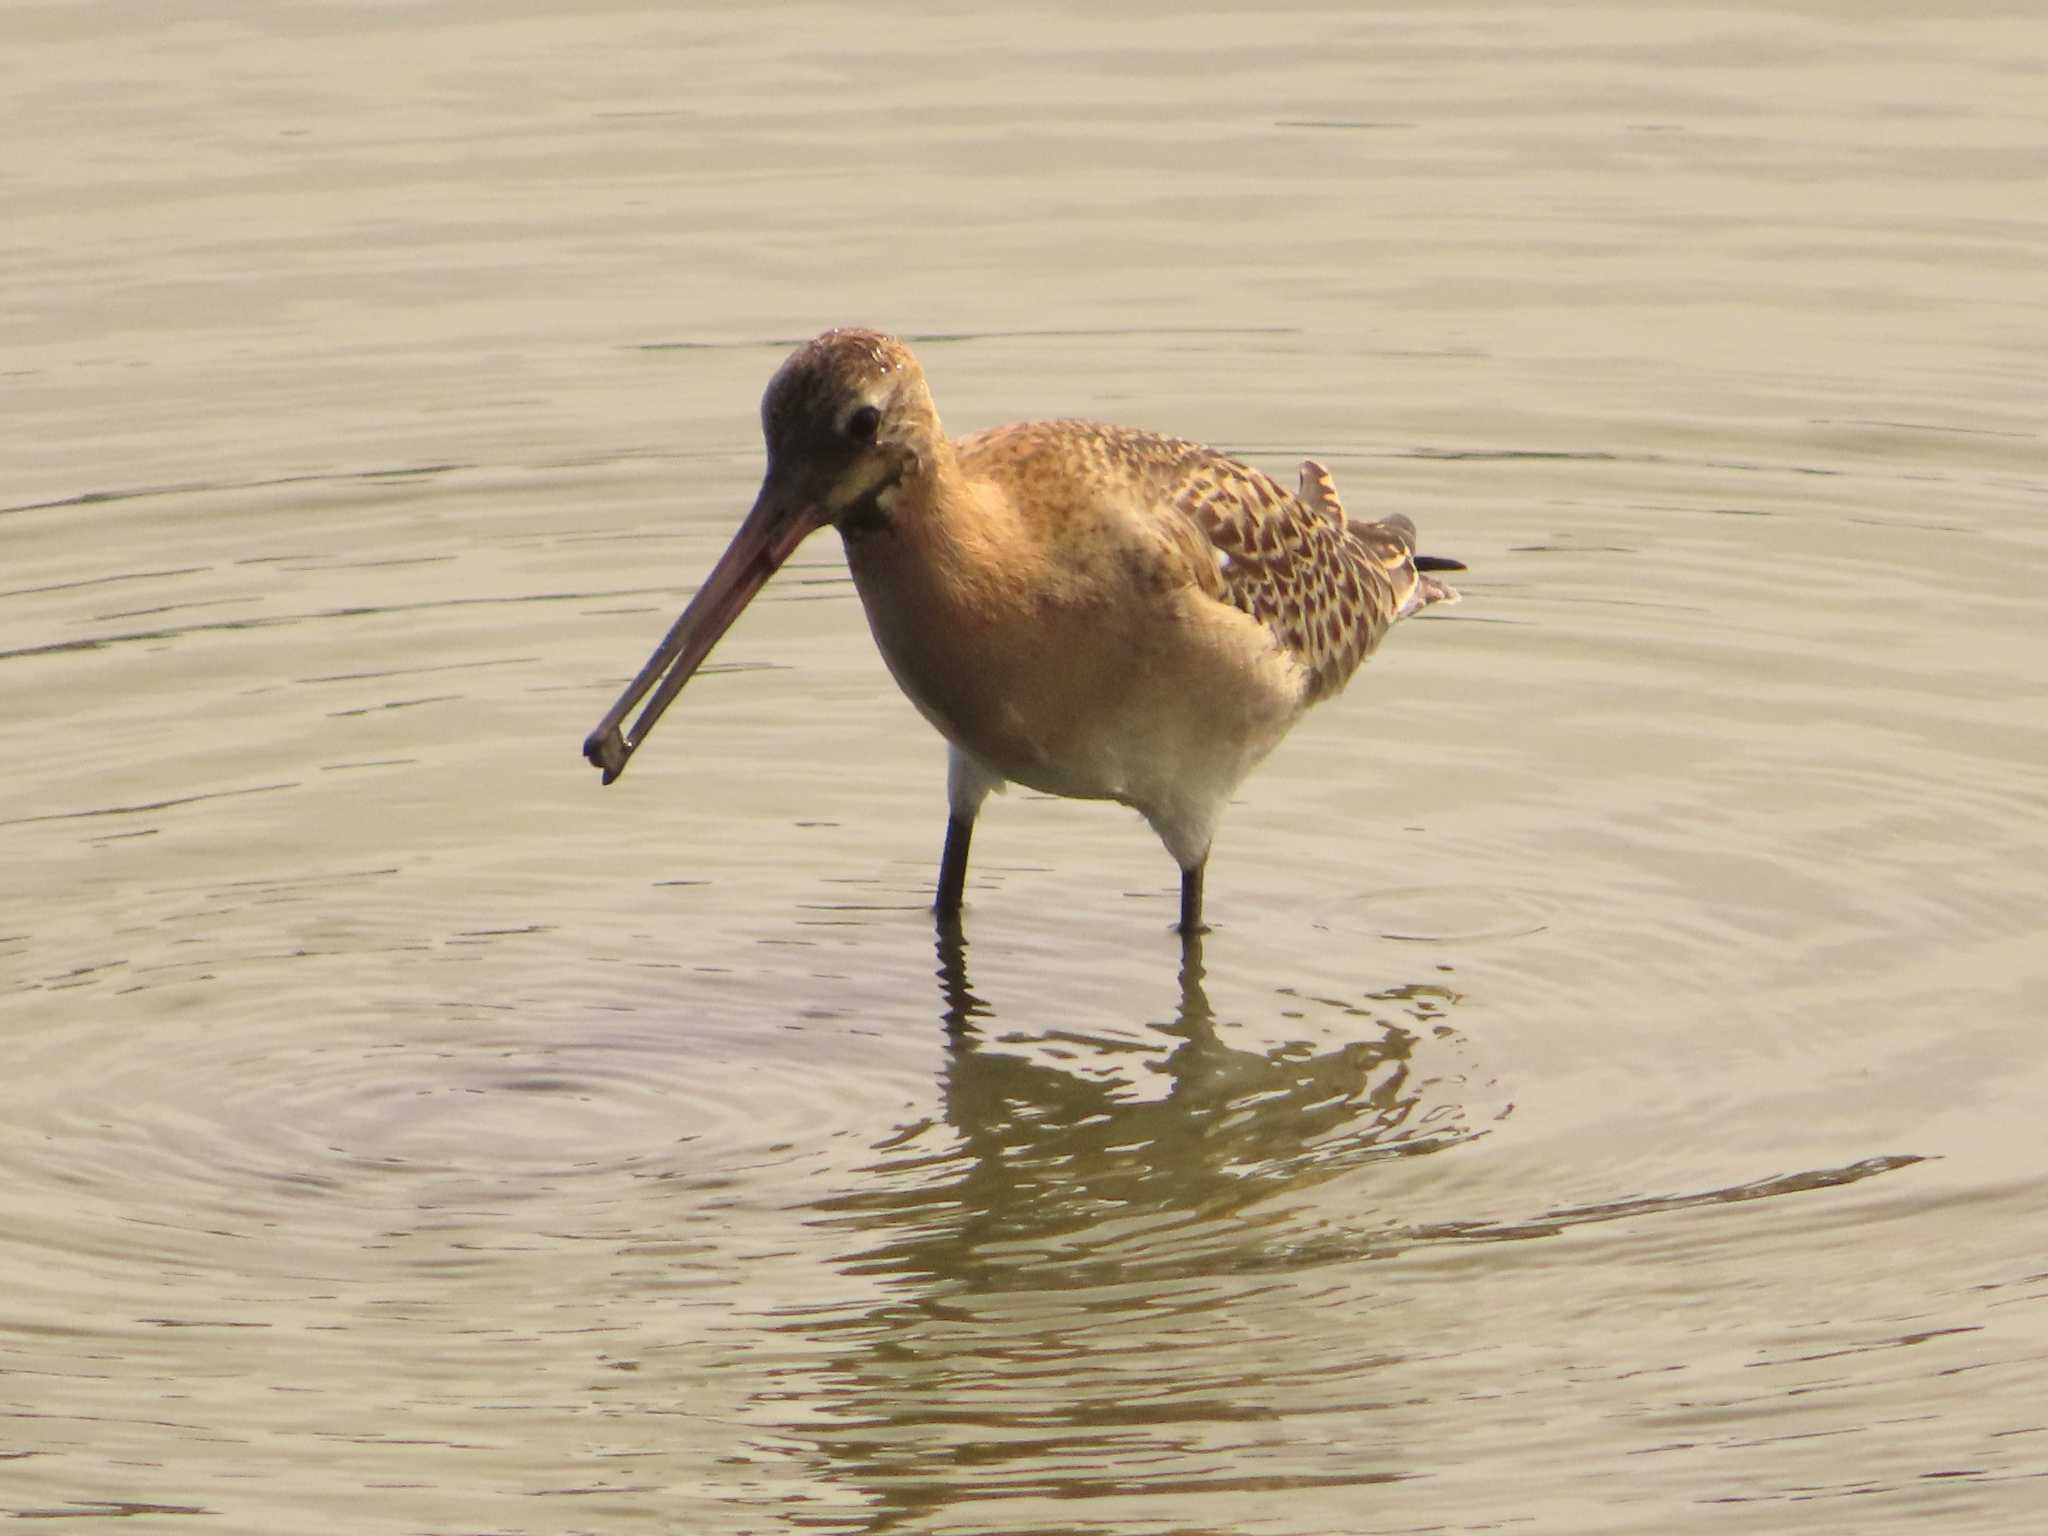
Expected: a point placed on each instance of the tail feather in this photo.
(1428, 590)
(1401, 554)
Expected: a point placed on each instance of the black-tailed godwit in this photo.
(1086, 610)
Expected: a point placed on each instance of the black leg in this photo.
(953, 867)
(1191, 901)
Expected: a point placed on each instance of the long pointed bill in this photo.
(768, 537)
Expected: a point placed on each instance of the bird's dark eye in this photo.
(860, 426)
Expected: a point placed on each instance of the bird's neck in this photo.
(947, 585)
(950, 540)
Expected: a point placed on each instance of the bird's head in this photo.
(848, 420)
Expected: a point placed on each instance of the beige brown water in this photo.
(1611, 1098)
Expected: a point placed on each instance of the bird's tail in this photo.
(1427, 588)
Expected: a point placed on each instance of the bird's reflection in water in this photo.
(1058, 1269)
(1097, 1273)
(1100, 1158)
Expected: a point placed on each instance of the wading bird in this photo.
(1087, 610)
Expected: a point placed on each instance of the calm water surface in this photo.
(1611, 1098)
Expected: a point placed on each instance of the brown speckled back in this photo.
(1327, 588)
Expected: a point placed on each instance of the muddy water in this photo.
(1611, 1098)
